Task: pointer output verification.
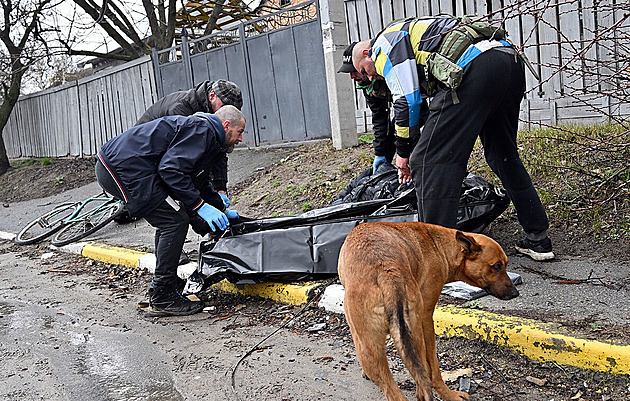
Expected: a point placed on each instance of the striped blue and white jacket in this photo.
(400, 52)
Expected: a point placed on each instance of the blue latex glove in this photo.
(226, 200)
(231, 214)
(378, 160)
(214, 217)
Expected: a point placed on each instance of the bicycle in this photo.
(72, 221)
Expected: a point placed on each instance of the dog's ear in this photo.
(470, 246)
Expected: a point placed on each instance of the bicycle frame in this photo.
(79, 215)
(92, 211)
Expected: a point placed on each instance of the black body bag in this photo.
(306, 246)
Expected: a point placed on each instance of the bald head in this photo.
(230, 113)
(233, 122)
(362, 62)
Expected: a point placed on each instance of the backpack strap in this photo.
(442, 64)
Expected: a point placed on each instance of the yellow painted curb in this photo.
(112, 254)
(538, 341)
(293, 294)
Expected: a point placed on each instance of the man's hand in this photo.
(231, 214)
(214, 217)
(404, 174)
(225, 199)
(378, 160)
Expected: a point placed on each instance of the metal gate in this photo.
(277, 60)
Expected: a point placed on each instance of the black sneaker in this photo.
(172, 303)
(181, 284)
(537, 250)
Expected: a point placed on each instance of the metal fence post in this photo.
(186, 59)
(156, 70)
(250, 95)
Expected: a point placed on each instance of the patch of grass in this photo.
(306, 207)
(45, 161)
(25, 162)
(472, 305)
(345, 169)
(366, 157)
(581, 173)
(366, 139)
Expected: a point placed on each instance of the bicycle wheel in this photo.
(100, 213)
(45, 225)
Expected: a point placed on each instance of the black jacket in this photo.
(182, 103)
(380, 103)
(186, 103)
(168, 156)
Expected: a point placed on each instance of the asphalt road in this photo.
(68, 337)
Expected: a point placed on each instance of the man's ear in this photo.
(226, 125)
(468, 243)
(365, 52)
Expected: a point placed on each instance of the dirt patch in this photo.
(306, 179)
(38, 178)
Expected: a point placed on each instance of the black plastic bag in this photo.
(480, 202)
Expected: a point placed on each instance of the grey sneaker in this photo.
(172, 303)
(537, 250)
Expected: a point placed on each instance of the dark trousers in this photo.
(106, 181)
(490, 97)
(171, 228)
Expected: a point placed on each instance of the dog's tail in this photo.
(405, 328)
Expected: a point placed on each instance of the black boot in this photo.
(171, 302)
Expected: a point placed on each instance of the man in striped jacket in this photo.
(484, 104)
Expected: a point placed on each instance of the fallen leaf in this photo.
(536, 381)
(577, 396)
(452, 375)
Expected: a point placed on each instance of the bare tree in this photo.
(24, 41)
(162, 18)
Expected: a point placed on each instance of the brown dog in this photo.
(393, 274)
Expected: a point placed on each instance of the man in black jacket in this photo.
(207, 97)
(379, 100)
(160, 170)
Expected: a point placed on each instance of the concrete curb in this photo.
(538, 341)
(6, 235)
(293, 294)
